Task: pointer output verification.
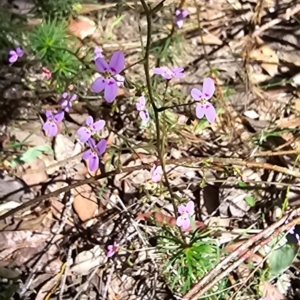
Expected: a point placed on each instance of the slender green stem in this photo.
(160, 109)
(151, 97)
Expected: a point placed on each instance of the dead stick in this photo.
(212, 277)
(289, 13)
(199, 160)
(276, 153)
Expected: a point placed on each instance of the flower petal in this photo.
(144, 115)
(98, 52)
(156, 177)
(66, 105)
(177, 72)
(164, 72)
(179, 22)
(98, 125)
(101, 65)
(181, 209)
(58, 117)
(152, 170)
(179, 221)
(190, 207)
(73, 97)
(99, 85)
(200, 111)
(184, 13)
(196, 94)
(89, 121)
(159, 71)
(210, 112)
(140, 105)
(19, 51)
(101, 147)
(93, 162)
(84, 134)
(117, 62)
(46, 126)
(91, 143)
(65, 95)
(50, 128)
(186, 223)
(110, 253)
(49, 114)
(13, 58)
(111, 90)
(208, 88)
(87, 154)
(119, 79)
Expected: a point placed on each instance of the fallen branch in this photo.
(203, 161)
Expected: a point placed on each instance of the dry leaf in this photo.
(296, 105)
(25, 256)
(63, 147)
(267, 58)
(32, 139)
(87, 260)
(209, 39)
(57, 209)
(289, 122)
(14, 189)
(47, 286)
(36, 177)
(86, 8)
(15, 239)
(257, 78)
(82, 27)
(162, 219)
(85, 202)
(268, 290)
(33, 22)
(254, 258)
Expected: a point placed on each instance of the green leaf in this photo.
(117, 21)
(30, 155)
(281, 252)
(242, 184)
(281, 259)
(250, 201)
(7, 291)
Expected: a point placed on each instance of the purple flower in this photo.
(92, 155)
(297, 236)
(165, 72)
(66, 103)
(156, 173)
(119, 79)
(180, 15)
(98, 53)
(92, 127)
(46, 73)
(109, 81)
(183, 221)
(205, 107)
(291, 230)
(15, 54)
(141, 107)
(50, 126)
(112, 249)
